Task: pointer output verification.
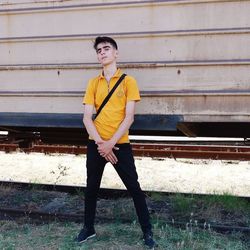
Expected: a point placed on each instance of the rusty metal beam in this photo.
(152, 150)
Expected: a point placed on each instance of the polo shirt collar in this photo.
(117, 74)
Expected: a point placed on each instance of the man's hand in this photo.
(111, 158)
(105, 149)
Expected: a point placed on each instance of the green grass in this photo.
(111, 236)
(186, 205)
(182, 204)
(229, 202)
(218, 209)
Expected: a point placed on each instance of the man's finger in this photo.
(99, 143)
(114, 158)
(108, 158)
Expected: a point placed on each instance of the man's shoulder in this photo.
(93, 82)
(94, 79)
(130, 78)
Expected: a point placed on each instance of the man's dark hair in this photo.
(105, 39)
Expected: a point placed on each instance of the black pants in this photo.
(125, 168)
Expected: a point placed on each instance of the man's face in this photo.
(106, 53)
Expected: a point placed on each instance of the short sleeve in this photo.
(132, 90)
(89, 97)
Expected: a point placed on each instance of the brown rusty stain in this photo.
(151, 150)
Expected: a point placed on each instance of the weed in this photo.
(7, 189)
(34, 184)
(112, 236)
(182, 204)
(62, 172)
(156, 196)
(123, 209)
(80, 192)
(228, 202)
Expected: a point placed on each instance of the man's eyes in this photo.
(100, 50)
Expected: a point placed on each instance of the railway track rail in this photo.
(162, 150)
(12, 214)
(9, 213)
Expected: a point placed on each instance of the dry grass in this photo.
(6, 189)
(23, 234)
(114, 236)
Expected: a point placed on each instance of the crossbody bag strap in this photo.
(109, 95)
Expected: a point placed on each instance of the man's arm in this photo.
(89, 124)
(105, 147)
(91, 129)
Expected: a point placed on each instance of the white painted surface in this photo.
(169, 175)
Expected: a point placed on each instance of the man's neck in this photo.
(109, 71)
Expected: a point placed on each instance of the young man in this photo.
(108, 135)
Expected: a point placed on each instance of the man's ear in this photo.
(116, 53)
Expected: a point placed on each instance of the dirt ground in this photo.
(169, 175)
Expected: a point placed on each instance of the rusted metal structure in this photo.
(191, 59)
(217, 152)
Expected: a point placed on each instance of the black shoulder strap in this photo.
(110, 94)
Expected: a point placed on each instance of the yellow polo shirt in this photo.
(113, 113)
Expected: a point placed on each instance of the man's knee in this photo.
(135, 189)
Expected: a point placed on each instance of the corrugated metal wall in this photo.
(190, 57)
